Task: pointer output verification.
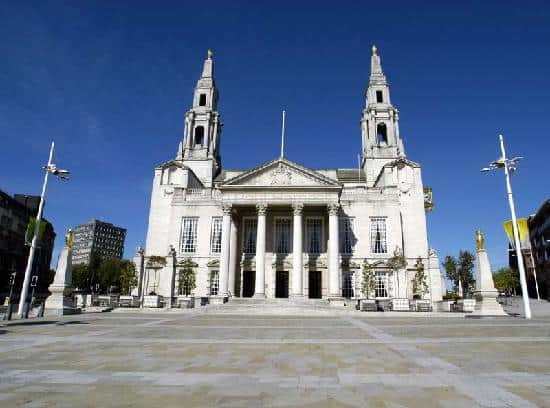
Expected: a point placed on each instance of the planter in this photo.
(400, 305)
(151, 301)
(423, 305)
(445, 306)
(467, 305)
(368, 305)
(128, 301)
(186, 302)
(107, 300)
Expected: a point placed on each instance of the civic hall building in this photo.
(282, 230)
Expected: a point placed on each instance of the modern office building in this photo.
(15, 213)
(101, 238)
(539, 231)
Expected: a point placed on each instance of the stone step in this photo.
(277, 302)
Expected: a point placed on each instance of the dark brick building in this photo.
(15, 213)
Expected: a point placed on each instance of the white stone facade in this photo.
(286, 230)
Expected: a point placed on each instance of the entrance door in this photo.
(281, 284)
(347, 284)
(249, 282)
(315, 284)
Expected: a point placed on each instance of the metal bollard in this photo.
(41, 310)
(9, 311)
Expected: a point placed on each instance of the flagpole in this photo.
(283, 137)
(25, 289)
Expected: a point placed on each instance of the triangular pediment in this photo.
(280, 173)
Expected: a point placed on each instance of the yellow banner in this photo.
(523, 229)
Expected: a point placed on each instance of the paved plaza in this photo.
(234, 358)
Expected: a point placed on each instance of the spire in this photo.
(200, 147)
(207, 77)
(376, 74)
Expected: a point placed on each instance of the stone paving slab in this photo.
(233, 360)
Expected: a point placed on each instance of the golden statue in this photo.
(210, 53)
(480, 241)
(374, 49)
(69, 239)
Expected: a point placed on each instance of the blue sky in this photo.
(110, 82)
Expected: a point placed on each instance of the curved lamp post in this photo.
(50, 168)
(509, 166)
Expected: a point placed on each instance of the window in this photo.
(347, 240)
(214, 283)
(249, 236)
(378, 235)
(216, 235)
(185, 289)
(202, 100)
(379, 98)
(199, 135)
(381, 133)
(348, 283)
(282, 235)
(314, 229)
(189, 234)
(381, 287)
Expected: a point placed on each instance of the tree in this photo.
(397, 263)
(450, 264)
(186, 279)
(81, 276)
(505, 280)
(420, 286)
(465, 269)
(109, 274)
(368, 281)
(128, 279)
(93, 271)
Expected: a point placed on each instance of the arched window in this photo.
(381, 133)
(199, 135)
(202, 100)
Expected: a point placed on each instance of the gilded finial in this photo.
(210, 53)
(480, 241)
(69, 239)
(374, 50)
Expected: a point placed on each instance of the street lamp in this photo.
(510, 166)
(63, 175)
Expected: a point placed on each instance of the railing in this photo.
(195, 194)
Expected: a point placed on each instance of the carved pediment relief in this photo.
(281, 173)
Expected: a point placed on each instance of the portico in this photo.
(284, 257)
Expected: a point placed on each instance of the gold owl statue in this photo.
(480, 241)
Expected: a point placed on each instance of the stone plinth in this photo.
(485, 293)
(217, 300)
(337, 301)
(61, 301)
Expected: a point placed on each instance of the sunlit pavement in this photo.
(220, 359)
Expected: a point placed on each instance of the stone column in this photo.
(171, 266)
(333, 250)
(224, 255)
(232, 257)
(139, 262)
(259, 291)
(297, 257)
